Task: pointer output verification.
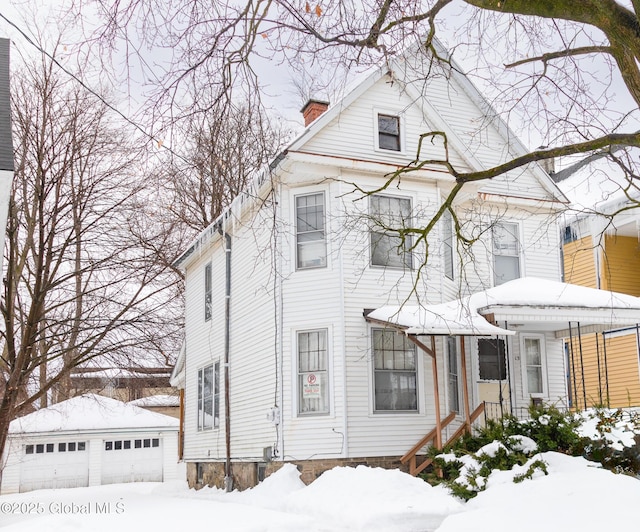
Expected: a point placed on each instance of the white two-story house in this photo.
(293, 350)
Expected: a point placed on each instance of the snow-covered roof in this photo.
(178, 376)
(90, 412)
(156, 400)
(397, 65)
(547, 304)
(454, 319)
(532, 291)
(121, 373)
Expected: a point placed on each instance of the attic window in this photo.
(389, 132)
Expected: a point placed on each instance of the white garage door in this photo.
(54, 465)
(132, 460)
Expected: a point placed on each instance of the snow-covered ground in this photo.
(575, 495)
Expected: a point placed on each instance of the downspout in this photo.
(228, 478)
(181, 429)
(343, 334)
(279, 278)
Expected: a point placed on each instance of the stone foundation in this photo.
(248, 474)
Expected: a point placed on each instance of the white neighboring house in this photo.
(283, 360)
(87, 441)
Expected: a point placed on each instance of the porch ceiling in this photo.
(559, 319)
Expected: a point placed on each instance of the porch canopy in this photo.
(530, 303)
(456, 318)
(524, 304)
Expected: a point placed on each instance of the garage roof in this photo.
(90, 412)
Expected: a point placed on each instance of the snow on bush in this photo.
(510, 445)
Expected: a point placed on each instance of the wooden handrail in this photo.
(463, 428)
(430, 436)
(410, 456)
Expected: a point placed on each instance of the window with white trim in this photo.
(532, 354)
(216, 394)
(447, 244)
(492, 359)
(388, 215)
(389, 132)
(394, 372)
(506, 252)
(453, 369)
(311, 245)
(206, 379)
(208, 292)
(313, 376)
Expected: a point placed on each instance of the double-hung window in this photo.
(311, 245)
(313, 382)
(395, 378)
(208, 292)
(389, 215)
(447, 244)
(533, 363)
(389, 132)
(208, 396)
(216, 394)
(453, 368)
(506, 252)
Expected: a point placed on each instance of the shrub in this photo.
(508, 442)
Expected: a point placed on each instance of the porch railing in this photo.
(497, 411)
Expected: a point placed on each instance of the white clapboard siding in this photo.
(484, 140)
(272, 300)
(353, 133)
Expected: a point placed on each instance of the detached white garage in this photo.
(87, 441)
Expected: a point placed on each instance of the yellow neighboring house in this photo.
(603, 252)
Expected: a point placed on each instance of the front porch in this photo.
(518, 332)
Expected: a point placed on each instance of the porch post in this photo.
(573, 397)
(465, 388)
(436, 393)
(584, 388)
(606, 365)
(436, 390)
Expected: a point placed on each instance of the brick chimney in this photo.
(312, 110)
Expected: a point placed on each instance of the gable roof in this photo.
(395, 68)
(90, 412)
(402, 72)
